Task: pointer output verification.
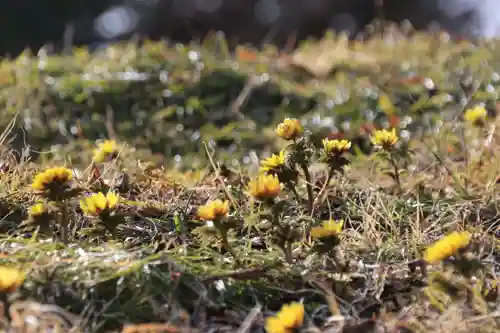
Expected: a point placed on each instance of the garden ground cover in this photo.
(110, 233)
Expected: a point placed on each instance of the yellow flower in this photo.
(476, 115)
(10, 279)
(37, 209)
(273, 163)
(337, 147)
(328, 228)
(384, 138)
(447, 246)
(290, 316)
(289, 129)
(213, 210)
(274, 325)
(265, 187)
(53, 181)
(39, 217)
(385, 103)
(105, 150)
(97, 204)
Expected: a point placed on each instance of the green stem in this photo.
(4, 300)
(292, 188)
(464, 145)
(287, 249)
(323, 189)
(310, 197)
(275, 209)
(64, 222)
(396, 172)
(227, 245)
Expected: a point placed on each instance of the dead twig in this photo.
(249, 320)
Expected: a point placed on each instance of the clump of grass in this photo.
(266, 229)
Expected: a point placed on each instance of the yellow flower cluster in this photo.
(105, 150)
(52, 179)
(213, 210)
(336, 147)
(290, 317)
(273, 163)
(476, 115)
(264, 187)
(447, 246)
(97, 204)
(327, 229)
(289, 129)
(385, 139)
(10, 279)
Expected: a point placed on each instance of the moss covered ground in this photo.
(193, 123)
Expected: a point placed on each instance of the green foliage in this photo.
(149, 258)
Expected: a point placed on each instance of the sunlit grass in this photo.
(346, 196)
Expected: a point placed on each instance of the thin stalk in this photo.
(310, 197)
(465, 148)
(63, 222)
(227, 246)
(287, 249)
(4, 300)
(395, 167)
(323, 189)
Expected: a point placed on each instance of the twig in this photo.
(242, 274)
(219, 178)
(323, 189)
(150, 327)
(249, 320)
(330, 297)
(20, 310)
(483, 317)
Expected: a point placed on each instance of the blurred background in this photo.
(34, 23)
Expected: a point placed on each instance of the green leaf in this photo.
(177, 223)
(165, 113)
